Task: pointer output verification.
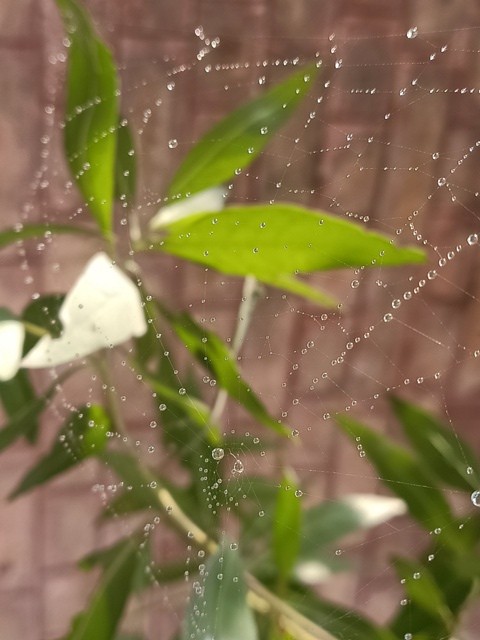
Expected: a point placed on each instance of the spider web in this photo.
(387, 137)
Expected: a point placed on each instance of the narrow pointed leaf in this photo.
(92, 113)
(83, 435)
(287, 526)
(105, 609)
(28, 231)
(234, 142)
(43, 314)
(16, 394)
(219, 361)
(440, 449)
(275, 243)
(403, 475)
(20, 424)
(221, 602)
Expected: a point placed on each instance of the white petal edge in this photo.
(12, 335)
(103, 309)
(210, 200)
(373, 509)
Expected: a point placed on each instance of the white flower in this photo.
(210, 200)
(103, 309)
(12, 334)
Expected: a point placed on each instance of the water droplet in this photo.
(338, 63)
(218, 453)
(387, 317)
(238, 467)
(407, 636)
(412, 33)
(472, 239)
(396, 303)
(417, 576)
(182, 391)
(173, 144)
(435, 156)
(264, 130)
(442, 182)
(233, 546)
(298, 493)
(355, 284)
(475, 497)
(469, 471)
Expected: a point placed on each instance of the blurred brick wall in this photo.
(42, 535)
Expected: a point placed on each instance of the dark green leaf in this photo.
(16, 394)
(42, 313)
(125, 165)
(235, 141)
(287, 527)
(138, 480)
(92, 113)
(21, 422)
(441, 450)
(403, 475)
(421, 588)
(221, 601)
(344, 624)
(102, 616)
(219, 361)
(275, 243)
(83, 435)
(27, 231)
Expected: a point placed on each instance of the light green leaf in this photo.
(275, 243)
(234, 142)
(28, 231)
(92, 113)
(125, 164)
(102, 616)
(219, 609)
(287, 526)
(83, 435)
(406, 477)
(440, 449)
(219, 361)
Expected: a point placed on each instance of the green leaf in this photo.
(212, 353)
(344, 624)
(138, 480)
(422, 589)
(16, 394)
(102, 616)
(27, 231)
(219, 607)
(234, 142)
(92, 113)
(275, 243)
(83, 435)
(331, 520)
(440, 449)
(125, 165)
(287, 526)
(22, 422)
(403, 475)
(43, 313)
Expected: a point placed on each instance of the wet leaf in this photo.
(16, 394)
(218, 606)
(105, 609)
(238, 139)
(275, 243)
(287, 526)
(440, 449)
(91, 113)
(83, 435)
(42, 313)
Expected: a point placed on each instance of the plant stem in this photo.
(250, 295)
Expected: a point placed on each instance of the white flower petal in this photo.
(373, 509)
(102, 309)
(208, 200)
(12, 334)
